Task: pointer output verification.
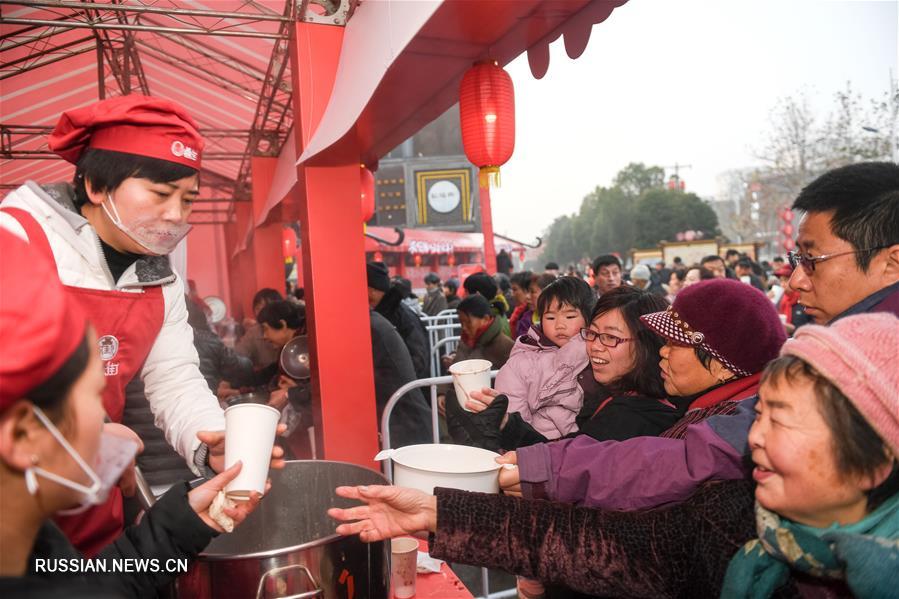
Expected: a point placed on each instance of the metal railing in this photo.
(387, 465)
(440, 326)
(443, 347)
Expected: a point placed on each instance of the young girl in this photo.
(540, 378)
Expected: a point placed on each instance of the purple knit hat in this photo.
(858, 355)
(732, 321)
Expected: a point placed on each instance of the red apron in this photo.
(127, 324)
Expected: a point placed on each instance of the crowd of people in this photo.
(721, 429)
(755, 455)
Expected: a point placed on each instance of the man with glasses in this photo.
(847, 263)
(847, 258)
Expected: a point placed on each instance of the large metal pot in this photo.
(287, 547)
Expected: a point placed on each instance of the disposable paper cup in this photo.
(403, 566)
(468, 376)
(249, 437)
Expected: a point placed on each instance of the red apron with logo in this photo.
(127, 324)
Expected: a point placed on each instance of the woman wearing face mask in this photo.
(825, 520)
(55, 455)
(137, 162)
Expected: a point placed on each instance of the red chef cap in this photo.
(40, 324)
(134, 124)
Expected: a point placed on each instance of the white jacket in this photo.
(181, 402)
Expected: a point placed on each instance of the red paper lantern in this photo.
(451, 259)
(788, 244)
(521, 255)
(788, 215)
(378, 257)
(367, 180)
(288, 243)
(487, 112)
(417, 259)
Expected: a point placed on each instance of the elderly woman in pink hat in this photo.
(822, 519)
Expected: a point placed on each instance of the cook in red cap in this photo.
(40, 325)
(140, 125)
(137, 173)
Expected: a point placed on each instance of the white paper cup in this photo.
(468, 376)
(249, 437)
(403, 566)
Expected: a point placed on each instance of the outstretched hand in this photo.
(389, 512)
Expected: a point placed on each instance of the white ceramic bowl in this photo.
(424, 467)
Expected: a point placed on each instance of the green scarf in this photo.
(865, 554)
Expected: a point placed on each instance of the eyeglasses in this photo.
(808, 262)
(589, 335)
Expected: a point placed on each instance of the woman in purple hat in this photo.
(822, 520)
(719, 334)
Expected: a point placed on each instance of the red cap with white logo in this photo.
(41, 324)
(135, 124)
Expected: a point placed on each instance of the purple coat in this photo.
(638, 473)
(540, 380)
(646, 472)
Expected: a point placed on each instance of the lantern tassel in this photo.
(488, 176)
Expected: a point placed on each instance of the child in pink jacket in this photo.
(540, 377)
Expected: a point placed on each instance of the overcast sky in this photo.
(687, 81)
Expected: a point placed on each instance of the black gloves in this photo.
(480, 429)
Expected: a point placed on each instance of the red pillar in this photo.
(487, 228)
(243, 277)
(333, 253)
(268, 257)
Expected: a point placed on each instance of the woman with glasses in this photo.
(821, 518)
(718, 336)
(622, 393)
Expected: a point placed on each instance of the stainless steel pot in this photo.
(252, 397)
(287, 547)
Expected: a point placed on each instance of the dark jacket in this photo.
(452, 301)
(170, 530)
(492, 345)
(678, 551)
(159, 462)
(410, 422)
(434, 302)
(219, 362)
(410, 328)
(681, 551)
(616, 418)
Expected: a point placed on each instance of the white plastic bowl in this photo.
(424, 467)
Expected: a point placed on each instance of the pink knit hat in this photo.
(858, 354)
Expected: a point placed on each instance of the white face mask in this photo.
(114, 455)
(155, 235)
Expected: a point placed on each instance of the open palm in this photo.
(389, 512)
